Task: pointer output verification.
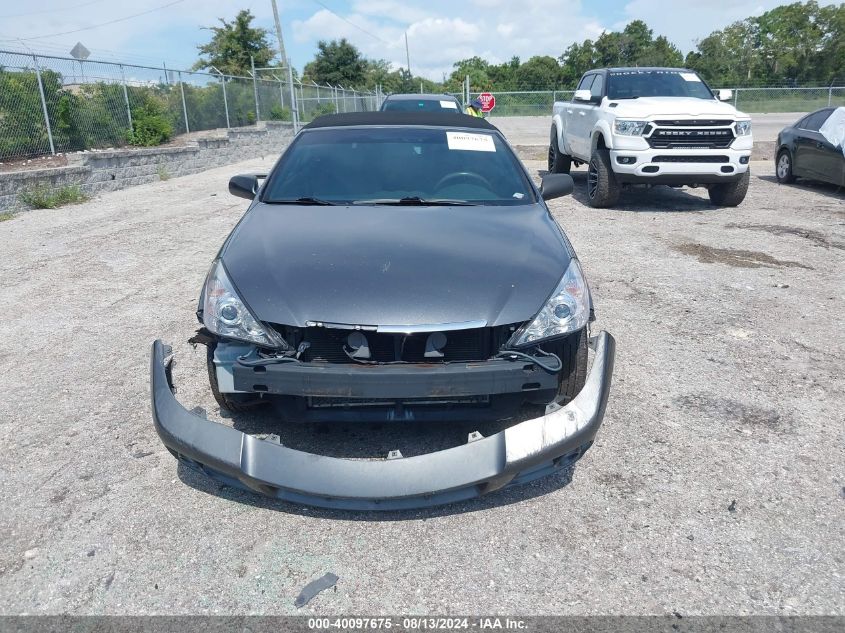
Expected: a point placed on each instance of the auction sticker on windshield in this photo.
(470, 142)
(449, 104)
(690, 77)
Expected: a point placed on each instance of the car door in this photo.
(576, 121)
(812, 150)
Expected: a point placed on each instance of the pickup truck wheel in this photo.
(234, 402)
(602, 186)
(730, 194)
(558, 163)
(783, 167)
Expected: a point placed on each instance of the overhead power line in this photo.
(360, 28)
(96, 26)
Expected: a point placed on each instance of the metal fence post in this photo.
(294, 104)
(184, 105)
(736, 96)
(225, 100)
(126, 97)
(255, 89)
(44, 105)
(829, 94)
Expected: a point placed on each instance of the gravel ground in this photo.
(716, 485)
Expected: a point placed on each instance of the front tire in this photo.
(558, 163)
(572, 352)
(783, 167)
(234, 402)
(602, 187)
(730, 194)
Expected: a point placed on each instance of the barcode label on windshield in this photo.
(470, 142)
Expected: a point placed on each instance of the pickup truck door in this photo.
(578, 121)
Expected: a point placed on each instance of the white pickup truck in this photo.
(653, 126)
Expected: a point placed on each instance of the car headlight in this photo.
(225, 314)
(566, 311)
(629, 128)
(743, 128)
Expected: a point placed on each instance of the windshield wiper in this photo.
(418, 202)
(620, 98)
(303, 200)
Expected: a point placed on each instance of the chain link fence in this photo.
(751, 100)
(54, 104)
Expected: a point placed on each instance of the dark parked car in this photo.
(804, 152)
(421, 103)
(394, 267)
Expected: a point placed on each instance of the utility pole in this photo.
(283, 57)
(408, 55)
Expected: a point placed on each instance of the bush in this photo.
(150, 123)
(278, 113)
(42, 197)
(312, 113)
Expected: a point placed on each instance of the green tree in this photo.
(539, 73)
(337, 63)
(232, 44)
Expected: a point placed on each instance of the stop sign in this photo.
(488, 101)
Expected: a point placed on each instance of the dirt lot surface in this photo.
(716, 485)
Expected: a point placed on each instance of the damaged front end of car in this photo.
(520, 453)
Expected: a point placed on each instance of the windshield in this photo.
(632, 84)
(421, 105)
(384, 165)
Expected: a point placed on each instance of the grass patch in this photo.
(43, 197)
(6, 216)
(163, 174)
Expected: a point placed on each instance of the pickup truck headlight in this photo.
(629, 128)
(224, 313)
(566, 311)
(743, 128)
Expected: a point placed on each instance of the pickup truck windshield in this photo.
(632, 84)
(398, 165)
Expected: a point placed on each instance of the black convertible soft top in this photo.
(435, 119)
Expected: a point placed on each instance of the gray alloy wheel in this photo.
(783, 167)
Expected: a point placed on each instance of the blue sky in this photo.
(439, 31)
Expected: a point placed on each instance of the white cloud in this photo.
(445, 32)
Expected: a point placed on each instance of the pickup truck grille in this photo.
(683, 134)
(690, 159)
(694, 123)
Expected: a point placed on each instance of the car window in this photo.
(597, 87)
(634, 83)
(355, 164)
(586, 82)
(815, 120)
(447, 104)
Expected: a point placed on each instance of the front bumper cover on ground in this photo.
(518, 454)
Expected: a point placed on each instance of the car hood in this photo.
(674, 107)
(395, 265)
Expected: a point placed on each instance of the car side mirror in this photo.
(245, 185)
(556, 185)
(582, 95)
(725, 95)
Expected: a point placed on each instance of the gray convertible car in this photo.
(394, 267)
